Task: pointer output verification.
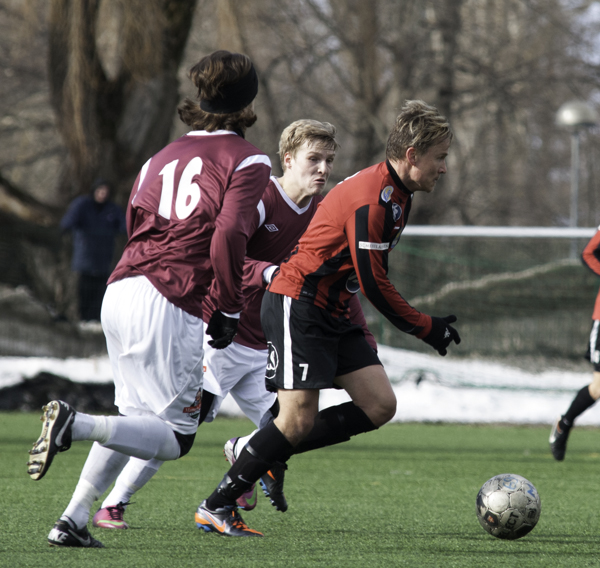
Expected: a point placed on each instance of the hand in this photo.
(442, 334)
(222, 329)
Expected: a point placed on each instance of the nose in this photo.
(324, 167)
(443, 168)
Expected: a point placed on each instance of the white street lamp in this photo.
(576, 116)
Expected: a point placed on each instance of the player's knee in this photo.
(594, 390)
(382, 411)
(295, 428)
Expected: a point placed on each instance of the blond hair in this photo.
(313, 132)
(418, 125)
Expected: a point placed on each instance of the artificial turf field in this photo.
(401, 496)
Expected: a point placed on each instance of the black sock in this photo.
(267, 446)
(335, 425)
(582, 401)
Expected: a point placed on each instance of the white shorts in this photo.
(240, 371)
(155, 351)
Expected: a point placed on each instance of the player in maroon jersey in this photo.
(312, 343)
(588, 395)
(188, 222)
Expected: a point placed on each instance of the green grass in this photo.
(400, 496)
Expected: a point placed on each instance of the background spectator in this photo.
(95, 221)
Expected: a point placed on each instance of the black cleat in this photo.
(558, 439)
(66, 533)
(272, 486)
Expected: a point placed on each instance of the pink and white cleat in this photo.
(110, 517)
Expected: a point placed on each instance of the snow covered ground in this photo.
(428, 387)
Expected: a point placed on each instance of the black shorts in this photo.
(308, 347)
(593, 353)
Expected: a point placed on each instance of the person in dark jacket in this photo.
(95, 221)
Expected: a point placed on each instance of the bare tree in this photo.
(115, 106)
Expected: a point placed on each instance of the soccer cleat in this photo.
(248, 500)
(226, 521)
(272, 486)
(558, 439)
(110, 517)
(58, 419)
(66, 533)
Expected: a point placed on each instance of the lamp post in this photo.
(575, 116)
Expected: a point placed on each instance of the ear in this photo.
(287, 160)
(411, 156)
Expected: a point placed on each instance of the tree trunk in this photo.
(112, 125)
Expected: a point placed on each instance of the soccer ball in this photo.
(508, 506)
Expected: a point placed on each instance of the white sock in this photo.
(143, 437)
(242, 441)
(133, 477)
(100, 469)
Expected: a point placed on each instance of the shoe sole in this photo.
(111, 525)
(39, 465)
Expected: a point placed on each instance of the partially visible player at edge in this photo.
(344, 249)
(188, 222)
(307, 150)
(589, 394)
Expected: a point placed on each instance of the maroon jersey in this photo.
(346, 246)
(189, 218)
(275, 227)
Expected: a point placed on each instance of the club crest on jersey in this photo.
(396, 211)
(271, 228)
(386, 194)
(272, 362)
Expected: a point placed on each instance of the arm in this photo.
(369, 249)
(254, 272)
(364, 230)
(72, 217)
(232, 229)
(591, 253)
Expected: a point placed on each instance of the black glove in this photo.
(442, 334)
(222, 329)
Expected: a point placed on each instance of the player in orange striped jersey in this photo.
(312, 343)
(589, 394)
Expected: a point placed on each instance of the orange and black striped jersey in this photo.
(591, 258)
(346, 246)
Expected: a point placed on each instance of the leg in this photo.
(144, 437)
(297, 411)
(134, 476)
(585, 398)
(373, 404)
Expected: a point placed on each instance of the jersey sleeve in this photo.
(253, 272)
(233, 227)
(591, 253)
(365, 230)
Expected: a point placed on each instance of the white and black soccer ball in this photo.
(508, 506)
